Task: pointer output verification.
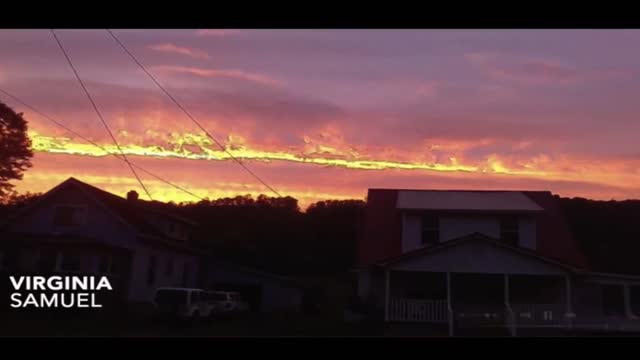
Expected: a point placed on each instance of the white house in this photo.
(490, 259)
(78, 229)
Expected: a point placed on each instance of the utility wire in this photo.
(98, 112)
(188, 114)
(56, 122)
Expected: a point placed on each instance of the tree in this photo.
(15, 148)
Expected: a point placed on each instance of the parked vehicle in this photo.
(225, 302)
(182, 303)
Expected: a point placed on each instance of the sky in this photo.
(327, 114)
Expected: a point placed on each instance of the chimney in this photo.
(132, 195)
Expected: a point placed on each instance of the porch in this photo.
(475, 300)
(513, 302)
(477, 283)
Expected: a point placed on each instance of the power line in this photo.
(47, 117)
(98, 112)
(188, 114)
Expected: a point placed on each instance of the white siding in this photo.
(139, 288)
(453, 227)
(411, 228)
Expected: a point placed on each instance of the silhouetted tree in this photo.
(15, 148)
(13, 202)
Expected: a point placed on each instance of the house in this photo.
(78, 229)
(460, 260)
(265, 292)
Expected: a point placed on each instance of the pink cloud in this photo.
(216, 32)
(481, 57)
(229, 73)
(532, 71)
(171, 48)
(536, 71)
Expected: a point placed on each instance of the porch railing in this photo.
(418, 310)
(510, 320)
(540, 314)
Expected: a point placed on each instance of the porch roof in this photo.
(476, 237)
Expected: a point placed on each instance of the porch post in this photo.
(506, 289)
(449, 309)
(507, 304)
(569, 314)
(627, 302)
(386, 295)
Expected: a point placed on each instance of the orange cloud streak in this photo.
(622, 174)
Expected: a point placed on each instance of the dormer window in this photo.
(509, 230)
(70, 215)
(430, 229)
(176, 231)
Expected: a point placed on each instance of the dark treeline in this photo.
(607, 231)
(275, 235)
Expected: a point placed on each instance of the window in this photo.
(47, 261)
(70, 261)
(151, 272)
(70, 215)
(612, 300)
(185, 275)
(107, 264)
(430, 229)
(168, 270)
(217, 296)
(509, 230)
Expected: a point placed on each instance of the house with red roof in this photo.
(462, 260)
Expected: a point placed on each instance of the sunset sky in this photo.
(326, 114)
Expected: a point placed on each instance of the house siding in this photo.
(452, 227)
(456, 226)
(141, 290)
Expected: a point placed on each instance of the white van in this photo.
(182, 303)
